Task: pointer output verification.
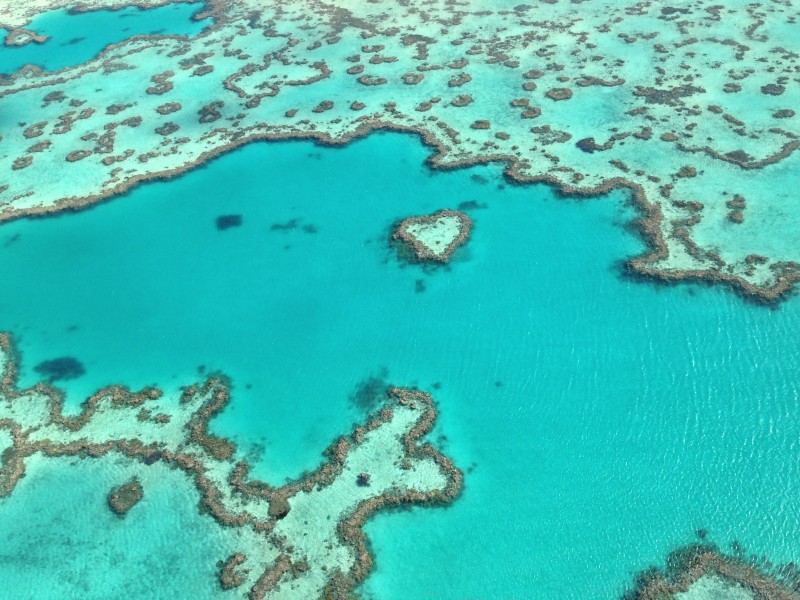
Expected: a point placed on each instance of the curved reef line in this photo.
(30, 69)
(33, 8)
(687, 565)
(260, 54)
(225, 494)
(648, 224)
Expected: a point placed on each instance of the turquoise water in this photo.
(600, 420)
(58, 539)
(77, 38)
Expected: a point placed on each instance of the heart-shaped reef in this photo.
(434, 237)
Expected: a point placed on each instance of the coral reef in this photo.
(434, 237)
(641, 86)
(125, 497)
(280, 560)
(701, 570)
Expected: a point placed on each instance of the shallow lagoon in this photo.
(75, 39)
(600, 420)
(58, 539)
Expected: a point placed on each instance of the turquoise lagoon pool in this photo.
(75, 39)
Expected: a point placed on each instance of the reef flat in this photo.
(702, 572)
(299, 540)
(689, 107)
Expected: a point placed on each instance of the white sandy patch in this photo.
(711, 587)
(436, 235)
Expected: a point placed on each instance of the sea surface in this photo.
(600, 421)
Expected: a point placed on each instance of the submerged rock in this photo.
(227, 221)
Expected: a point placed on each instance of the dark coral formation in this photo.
(559, 94)
(323, 106)
(161, 83)
(686, 565)
(125, 497)
(77, 155)
(21, 162)
(228, 221)
(23, 37)
(279, 507)
(230, 576)
(773, 89)
(168, 108)
(668, 96)
(210, 112)
(736, 206)
(167, 128)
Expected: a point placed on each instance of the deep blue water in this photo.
(75, 39)
(601, 421)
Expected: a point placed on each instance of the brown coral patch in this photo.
(370, 80)
(210, 112)
(531, 112)
(21, 162)
(462, 100)
(77, 155)
(459, 80)
(167, 129)
(323, 106)
(412, 78)
(687, 565)
(559, 94)
(422, 252)
(168, 108)
(230, 576)
(125, 497)
(34, 130)
(773, 89)
(162, 83)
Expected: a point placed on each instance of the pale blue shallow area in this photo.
(75, 39)
(601, 421)
(58, 539)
